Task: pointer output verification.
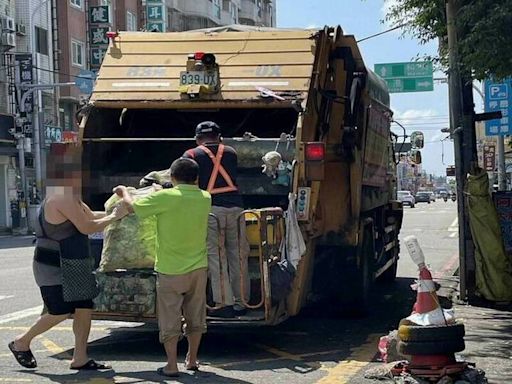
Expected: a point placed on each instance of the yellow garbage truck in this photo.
(302, 104)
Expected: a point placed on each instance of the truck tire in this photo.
(441, 347)
(431, 333)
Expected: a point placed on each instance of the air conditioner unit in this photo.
(9, 40)
(21, 29)
(7, 24)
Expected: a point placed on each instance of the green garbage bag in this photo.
(493, 269)
(129, 243)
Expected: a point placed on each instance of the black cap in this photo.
(207, 127)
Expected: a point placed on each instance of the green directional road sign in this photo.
(407, 77)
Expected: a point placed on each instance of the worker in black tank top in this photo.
(62, 266)
(218, 171)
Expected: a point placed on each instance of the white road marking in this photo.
(454, 234)
(5, 297)
(455, 223)
(21, 314)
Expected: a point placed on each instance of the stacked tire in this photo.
(431, 340)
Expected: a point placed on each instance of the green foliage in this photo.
(484, 32)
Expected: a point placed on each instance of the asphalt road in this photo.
(311, 348)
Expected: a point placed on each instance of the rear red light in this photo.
(112, 35)
(198, 55)
(315, 151)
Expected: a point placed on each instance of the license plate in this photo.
(199, 78)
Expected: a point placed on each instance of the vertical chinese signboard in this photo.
(498, 97)
(489, 158)
(25, 75)
(156, 16)
(99, 25)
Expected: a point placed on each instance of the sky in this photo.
(423, 111)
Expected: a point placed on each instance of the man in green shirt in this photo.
(181, 259)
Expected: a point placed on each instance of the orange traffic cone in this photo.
(426, 298)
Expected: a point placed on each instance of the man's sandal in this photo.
(189, 367)
(24, 358)
(161, 372)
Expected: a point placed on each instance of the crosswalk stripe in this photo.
(5, 297)
(21, 314)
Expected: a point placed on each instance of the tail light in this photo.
(198, 55)
(112, 34)
(315, 151)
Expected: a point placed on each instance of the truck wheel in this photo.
(431, 333)
(440, 347)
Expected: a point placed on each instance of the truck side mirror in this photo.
(417, 140)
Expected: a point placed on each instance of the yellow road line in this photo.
(358, 359)
(54, 348)
(279, 358)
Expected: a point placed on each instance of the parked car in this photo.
(406, 198)
(422, 197)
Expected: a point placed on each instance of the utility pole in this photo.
(461, 123)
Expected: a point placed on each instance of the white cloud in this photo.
(415, 113)
(388, 4)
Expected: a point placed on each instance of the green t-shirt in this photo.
(182, 225)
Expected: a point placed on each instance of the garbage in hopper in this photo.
(426, 310)
(129, 243)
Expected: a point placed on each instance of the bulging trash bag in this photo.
(129, 243)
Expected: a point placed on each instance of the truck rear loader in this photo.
(305, 94)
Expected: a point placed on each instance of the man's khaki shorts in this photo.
(181, 295)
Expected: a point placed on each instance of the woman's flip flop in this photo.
(24, 358)
(92, 365)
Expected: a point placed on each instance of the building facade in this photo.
(60, 42)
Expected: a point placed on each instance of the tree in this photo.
(484, 32)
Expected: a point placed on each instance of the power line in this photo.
(50, 71)
(382, 33)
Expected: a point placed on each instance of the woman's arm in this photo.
(93, 214)
(73, 210)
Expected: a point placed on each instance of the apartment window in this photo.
(77, 53)
(226, 4)
(131, 21)
(41, 40)
(77, 3)
(216, 6)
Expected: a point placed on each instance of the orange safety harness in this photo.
(217, 168)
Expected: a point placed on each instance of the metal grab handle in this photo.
(241, 261)
(221, 272)
(265, 286)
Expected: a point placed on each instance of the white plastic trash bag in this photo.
(293, 245)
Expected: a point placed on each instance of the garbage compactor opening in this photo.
(122, 146)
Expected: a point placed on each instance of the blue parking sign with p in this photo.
(498, 97)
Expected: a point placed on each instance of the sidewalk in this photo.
(488, 335)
